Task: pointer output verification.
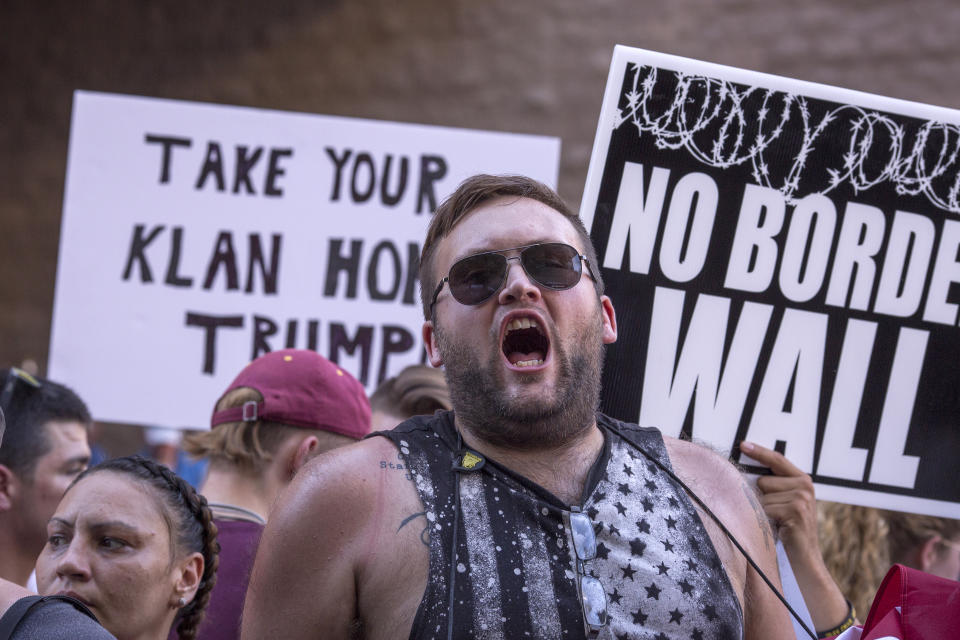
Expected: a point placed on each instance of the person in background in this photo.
(136, 545)
(45, 448)
(26, 616)
(860, 543)
(283, 409)
(840, 553)
(927, 543)
(417, 390)
(163, 445)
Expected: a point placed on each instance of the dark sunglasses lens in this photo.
(584, 540)
(553, 265)
(476, 278)
(594, 601)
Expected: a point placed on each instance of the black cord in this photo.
(453, 546)
(723, 528)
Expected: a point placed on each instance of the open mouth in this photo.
(524, 343)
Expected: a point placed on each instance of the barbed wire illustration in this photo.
(722, 124)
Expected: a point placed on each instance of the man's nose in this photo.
(518, 285)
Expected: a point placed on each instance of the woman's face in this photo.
(108, 545)
(946, 560)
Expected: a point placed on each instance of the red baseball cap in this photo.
(303, 389)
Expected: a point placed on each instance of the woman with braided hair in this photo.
(136, 544)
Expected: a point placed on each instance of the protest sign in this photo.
(783, 259)
(196, 237)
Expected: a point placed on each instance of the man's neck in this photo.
(254, 493)
(15, 563)
(561, 470)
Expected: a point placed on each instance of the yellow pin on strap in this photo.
(468, 461)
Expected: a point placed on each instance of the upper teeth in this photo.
(521, 323)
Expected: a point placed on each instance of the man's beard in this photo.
(479, 397)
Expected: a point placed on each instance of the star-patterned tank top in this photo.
(514, 572)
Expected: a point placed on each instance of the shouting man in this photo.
(523, 512)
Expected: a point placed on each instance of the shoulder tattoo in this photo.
(399, 465)
(425, 534)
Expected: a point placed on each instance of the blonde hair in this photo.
(853, 541)
(860, 544)
(250, 445)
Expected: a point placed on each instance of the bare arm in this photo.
(336, 550)
(788, 499)
(302, 584)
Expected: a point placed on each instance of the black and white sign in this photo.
(196, 237)
(783, 259)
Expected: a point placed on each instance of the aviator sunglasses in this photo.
(476, 278)
(593, 597)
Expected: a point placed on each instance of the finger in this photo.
(775, 484)
(793, 526)
(777, 463)
(778, 514)
(786, 497)
(788, 512)
(793, 512)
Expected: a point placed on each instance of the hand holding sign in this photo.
(788, 499)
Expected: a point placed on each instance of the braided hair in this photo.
(192, 525)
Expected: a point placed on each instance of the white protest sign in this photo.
(783, 259)
(196, 237)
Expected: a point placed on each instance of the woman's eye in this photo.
(112, 544)
(56, 539)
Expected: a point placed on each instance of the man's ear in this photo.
(609, 320)
(430, 344)
(304, 451)
(189, 571)
(9, 487)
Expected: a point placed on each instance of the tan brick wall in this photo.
(531, 66)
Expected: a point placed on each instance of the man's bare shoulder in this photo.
(724, 489)
(345, 491)
(333, 545)
(719, 483)
(699, 464)
(350, 464)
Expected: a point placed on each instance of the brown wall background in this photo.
(528, 66)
